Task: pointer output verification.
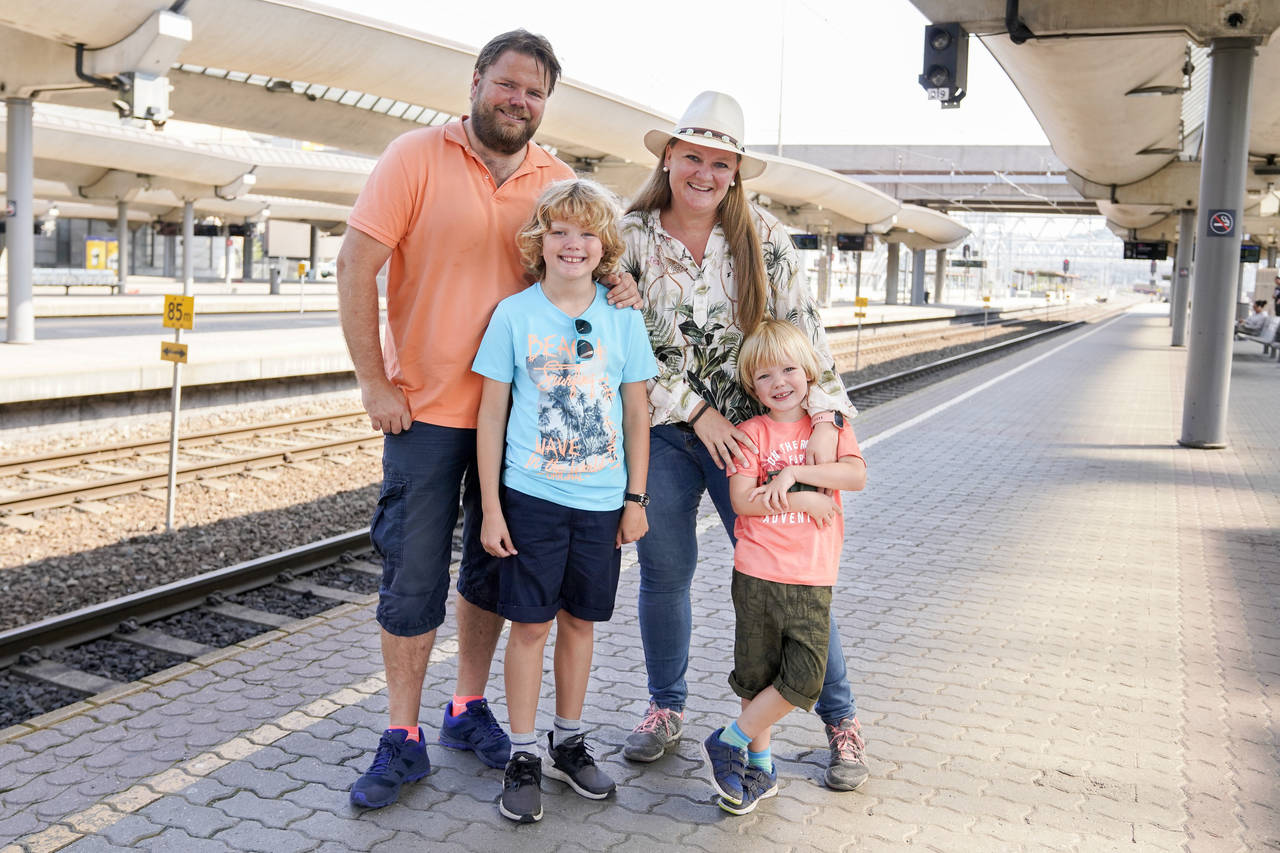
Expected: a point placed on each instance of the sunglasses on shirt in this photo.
(584, 348)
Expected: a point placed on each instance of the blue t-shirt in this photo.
(564, 434)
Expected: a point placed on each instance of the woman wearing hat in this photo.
(710, 265)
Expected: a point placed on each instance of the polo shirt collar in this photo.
(534, 156)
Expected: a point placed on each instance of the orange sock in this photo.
(460, 703)
(410, 732)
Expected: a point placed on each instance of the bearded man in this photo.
(443, 204)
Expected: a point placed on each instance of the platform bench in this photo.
(1268, 336)
(68, 278)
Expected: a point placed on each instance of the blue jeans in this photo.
(680, 470)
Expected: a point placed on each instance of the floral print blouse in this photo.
(689, 312)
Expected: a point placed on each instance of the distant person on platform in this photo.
(1253, 324)
(444, 205)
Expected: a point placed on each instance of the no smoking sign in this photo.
(1222, 223)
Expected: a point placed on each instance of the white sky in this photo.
(848, 70)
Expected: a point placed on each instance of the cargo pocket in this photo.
(386, 531)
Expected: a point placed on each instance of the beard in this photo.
(493, 135)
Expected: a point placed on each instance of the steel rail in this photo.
(924, 369)
(100, 620)
(58, 496)
(107, 452)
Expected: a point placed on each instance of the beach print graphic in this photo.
(576, 435)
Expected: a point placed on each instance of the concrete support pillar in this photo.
(857, 275)
(939, 274)
(246, 258)
(891, 274)
(1271, 257)
(171, 256)
(917, 277)
(20, 326)
(226, 254)
(824, 273)
(188, 246)
(123, 258)
(1182, 277)
(314, 257)
(1218, 232)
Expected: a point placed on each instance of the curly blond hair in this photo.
(584, 203)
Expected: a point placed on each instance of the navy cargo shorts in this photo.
(424, 469)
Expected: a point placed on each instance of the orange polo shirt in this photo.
(452, 233)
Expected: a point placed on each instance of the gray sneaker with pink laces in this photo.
(659, 731)
(847, 769)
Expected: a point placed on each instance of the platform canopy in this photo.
(1120, 88)
(300, 70)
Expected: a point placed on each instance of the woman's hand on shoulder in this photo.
(623, 290)
(723, 440)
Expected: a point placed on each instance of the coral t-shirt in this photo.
(788, 547)
(454, 258)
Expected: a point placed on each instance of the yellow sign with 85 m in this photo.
(179, 312)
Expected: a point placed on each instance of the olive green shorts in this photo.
(780, 639)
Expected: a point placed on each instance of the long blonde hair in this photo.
(735, 217)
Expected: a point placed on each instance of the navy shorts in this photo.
(424, 469)
(566, 560)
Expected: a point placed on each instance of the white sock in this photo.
(565, 729)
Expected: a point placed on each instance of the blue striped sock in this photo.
(762, 759)
(735, 736)
(565, 729)
(524, 742)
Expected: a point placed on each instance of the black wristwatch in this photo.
(642, 498)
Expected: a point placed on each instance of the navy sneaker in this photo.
(477, 730)
(757, 785)
(398, 760)
(727, 766)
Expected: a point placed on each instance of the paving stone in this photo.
(275, 812)
(196, 821)
(251, 835)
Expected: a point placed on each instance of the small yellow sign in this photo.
(170, 351)
(860, 301)
(179, 312)
(859, 313)
(986, 299)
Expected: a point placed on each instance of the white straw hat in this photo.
(713, 119)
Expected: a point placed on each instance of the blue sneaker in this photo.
(727, 765)
(477, 730)
(398, 760)
(757, 785)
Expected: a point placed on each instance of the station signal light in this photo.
(946, 64)
(1066, 265)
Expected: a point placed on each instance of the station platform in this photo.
(56, 369)
(1060, 629)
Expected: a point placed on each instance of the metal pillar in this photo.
(939, 274)
(226, 254)
(1271, 257)
(891, 274)
(122, 245)
(171, 256)
(857, 275)
(1182, 277)
(20, 327)
(315, 253)
(246, 253)
(917, 277)
(1222, 182)
(188, 245)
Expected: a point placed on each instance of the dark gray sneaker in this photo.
(571, 763)
(521, 799)
(659, 731)
(847, 769)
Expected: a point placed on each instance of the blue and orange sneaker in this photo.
(398, 760)
(477, 730)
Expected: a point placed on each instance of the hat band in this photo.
(702, 131)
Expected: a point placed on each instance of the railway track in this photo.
(83, 477)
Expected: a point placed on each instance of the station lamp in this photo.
(946, 64)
